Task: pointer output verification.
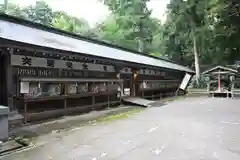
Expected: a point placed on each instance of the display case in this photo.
(82, 87)
(155, 89)
(40, 89)
(66, 96)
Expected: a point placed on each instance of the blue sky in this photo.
(92, 10)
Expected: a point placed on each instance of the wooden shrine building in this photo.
(46, 72)
(223, 81)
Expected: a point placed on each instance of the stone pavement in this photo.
(68, 122)
(187, 129)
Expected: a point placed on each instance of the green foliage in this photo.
(15, 10)
(131, 19)
(213, 23)
(40, 12)
(202, 82)
(63, 21)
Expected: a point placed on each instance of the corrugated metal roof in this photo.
(29, 34)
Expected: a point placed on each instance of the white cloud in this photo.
(92, 10)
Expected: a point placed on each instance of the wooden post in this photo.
(93, 100)
(108, 101)
(121, 87)
(176, 94)
(108, 97)
(25, 112)
(93, 97)
(65, 103)
(121, 91)
(133, 86)
(120, 99)
(219, 83)
(65, 98)
(208, 87)
(9, 82)
(232, 89)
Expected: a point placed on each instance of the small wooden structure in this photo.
(45, 72)
(222, 81)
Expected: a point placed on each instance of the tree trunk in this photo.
(5, 5)
(140, 46)
(196, 59)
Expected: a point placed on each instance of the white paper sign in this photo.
(24, 87)
(127, 91)
(144, 85)
(185, 81)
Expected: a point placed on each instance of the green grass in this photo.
(120, 115)
(23, 140)
(174, 98)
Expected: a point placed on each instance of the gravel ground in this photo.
(186, 129)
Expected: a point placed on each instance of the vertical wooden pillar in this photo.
(9, 81)
(134, 88)
(122, 92)
(25, 113)
(208, 87)
(219, 83)
(108, 99)
(65, 98)
(93, 97)
(134, 82)
(118, 75)
(108, 96)
(232, 89)
(93, 100)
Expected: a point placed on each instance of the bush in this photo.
(202, 82)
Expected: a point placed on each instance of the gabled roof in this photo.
(220, 67)
(19, 30)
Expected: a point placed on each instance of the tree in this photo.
(63, 21)
(133, 20)
(15, 10)
(208, 28)
(185, 25)
(111, 32)
(157, 46)
(4, 6)
(41, 12)
(215, 26)
(227, 27)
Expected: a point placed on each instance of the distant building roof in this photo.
(222, 68)
(19, 30)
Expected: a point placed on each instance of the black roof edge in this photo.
(72, 35)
